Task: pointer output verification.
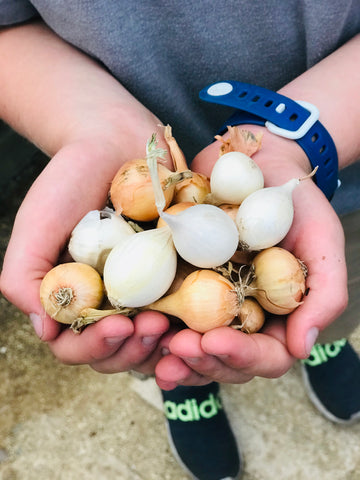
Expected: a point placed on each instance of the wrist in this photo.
(279, 158)
(282, 116)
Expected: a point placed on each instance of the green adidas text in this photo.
(190, 410)
(322, 353)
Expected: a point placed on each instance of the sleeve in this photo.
(16, 11)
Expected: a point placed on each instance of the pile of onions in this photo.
(190, 261)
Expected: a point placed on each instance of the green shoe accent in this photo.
(191, 410)
(322, 353)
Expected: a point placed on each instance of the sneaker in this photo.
(199, 433)
(332, 379)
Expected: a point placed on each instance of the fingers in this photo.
(139, 351)
(95, 342)
(21, 287)
(225, 355)
(171, 371)
(115, 344)
(326, 282)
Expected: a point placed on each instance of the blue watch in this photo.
(282, 116)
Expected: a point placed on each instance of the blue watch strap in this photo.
(282, 116)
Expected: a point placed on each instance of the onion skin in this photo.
(68, 289)
(193, 189)
(131, 190)
(251, 317)
(204, 301)
(279, 282)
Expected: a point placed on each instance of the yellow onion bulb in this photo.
(204, 301)
(251, 316)
(131, 190)
(70, 288)
(279, 280)
(193, 189)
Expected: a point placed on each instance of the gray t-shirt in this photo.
(165, 52)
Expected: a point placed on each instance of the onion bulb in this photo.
(251, 317)
(265, 216)
(194, 189)
(131, 191)
(140, 269)
(205, 300)
(174, 210)
(278, 282)
(234, 177)
(70, 288)
(203, 235)
(95, 235)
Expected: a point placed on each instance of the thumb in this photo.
(20, 283)
(326, 300)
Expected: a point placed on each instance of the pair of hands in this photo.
(65, 191)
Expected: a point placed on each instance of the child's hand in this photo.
(316, 237)
(76, 181)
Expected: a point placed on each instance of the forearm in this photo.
(55, 95)
(333, 86)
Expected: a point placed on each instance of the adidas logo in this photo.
(322, 353)
(191, 410)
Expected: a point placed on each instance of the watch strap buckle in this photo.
(303, 129)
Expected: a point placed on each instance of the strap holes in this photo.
(243, 94)
(293, 117)
(256, 98)
(322, 149)
(268, 103)
(327, 161)
(315, 137)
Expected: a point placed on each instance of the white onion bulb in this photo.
(234, 177)
(265, 217)
(95, 235)
(203, 235)
(140, 269)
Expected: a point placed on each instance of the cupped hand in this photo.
(316, 237)
(76, 180)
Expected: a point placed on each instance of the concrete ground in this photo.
(68, 423)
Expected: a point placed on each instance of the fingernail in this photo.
(37, 323)
(310, 340)
(223, 356)
(191, 360)
(114, 340)
(150, 340)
